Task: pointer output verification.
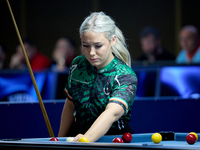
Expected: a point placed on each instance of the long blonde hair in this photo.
(100, 23)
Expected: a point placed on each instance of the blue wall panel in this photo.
(26, 120)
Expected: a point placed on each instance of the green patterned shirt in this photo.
(91, 90)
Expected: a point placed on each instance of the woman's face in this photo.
(62, 49)
(97, 48)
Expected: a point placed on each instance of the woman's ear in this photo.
(113, 40)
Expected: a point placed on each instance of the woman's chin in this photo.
(94, 64)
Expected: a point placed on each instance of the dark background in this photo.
(44, 21)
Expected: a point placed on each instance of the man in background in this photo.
(152, 47)
(189, 42)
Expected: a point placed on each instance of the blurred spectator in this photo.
(37, 60)
(151, 46)
(63, 54)
(189, 42)
(2, 57)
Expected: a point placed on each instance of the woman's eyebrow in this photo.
(98, 43)
(84, 42)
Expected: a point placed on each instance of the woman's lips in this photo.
(93, 59)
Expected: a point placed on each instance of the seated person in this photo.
(2, 57)
(151, 46)
(37, 60)
(189, 42)
(63, 54)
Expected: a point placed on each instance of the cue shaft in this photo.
(32, 76)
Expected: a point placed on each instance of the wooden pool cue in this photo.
(32, 76)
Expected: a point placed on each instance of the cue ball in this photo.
(191, 138)
(117, 140)
(156, 138)
(127, 137)
(83, 139)
(194, 134)
(53, 139)
(70, 139)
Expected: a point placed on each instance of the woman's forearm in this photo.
(67, 118)
(103, 123)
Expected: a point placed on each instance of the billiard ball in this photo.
(156, 138)
(83, 139)
(191, 138)
(117, 140)
(70, 139)
(127, 137)
(194, 134)
(53, 139)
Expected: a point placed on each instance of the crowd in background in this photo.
(65, 51)
(153, 51)
(62, 55)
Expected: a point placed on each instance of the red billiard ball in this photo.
(191, 138)
(117, 140)
(53, 139)
(127, 137)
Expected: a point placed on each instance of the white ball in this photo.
(69, 139)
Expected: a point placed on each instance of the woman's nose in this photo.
(92, 51)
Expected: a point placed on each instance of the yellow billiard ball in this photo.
(156, 138)
(194, 134)
(83, 139)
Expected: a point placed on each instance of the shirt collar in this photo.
(190, 55)
(109, 66)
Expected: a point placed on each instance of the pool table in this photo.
(140, 141)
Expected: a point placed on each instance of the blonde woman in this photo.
(101, 85)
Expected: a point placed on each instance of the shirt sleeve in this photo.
(67, 89)
(124, 90)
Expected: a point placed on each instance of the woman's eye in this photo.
(86, 46)
(98, 46)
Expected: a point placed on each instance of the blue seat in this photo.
(18, 86)
(183, 81)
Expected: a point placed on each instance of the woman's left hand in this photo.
(80, 136)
